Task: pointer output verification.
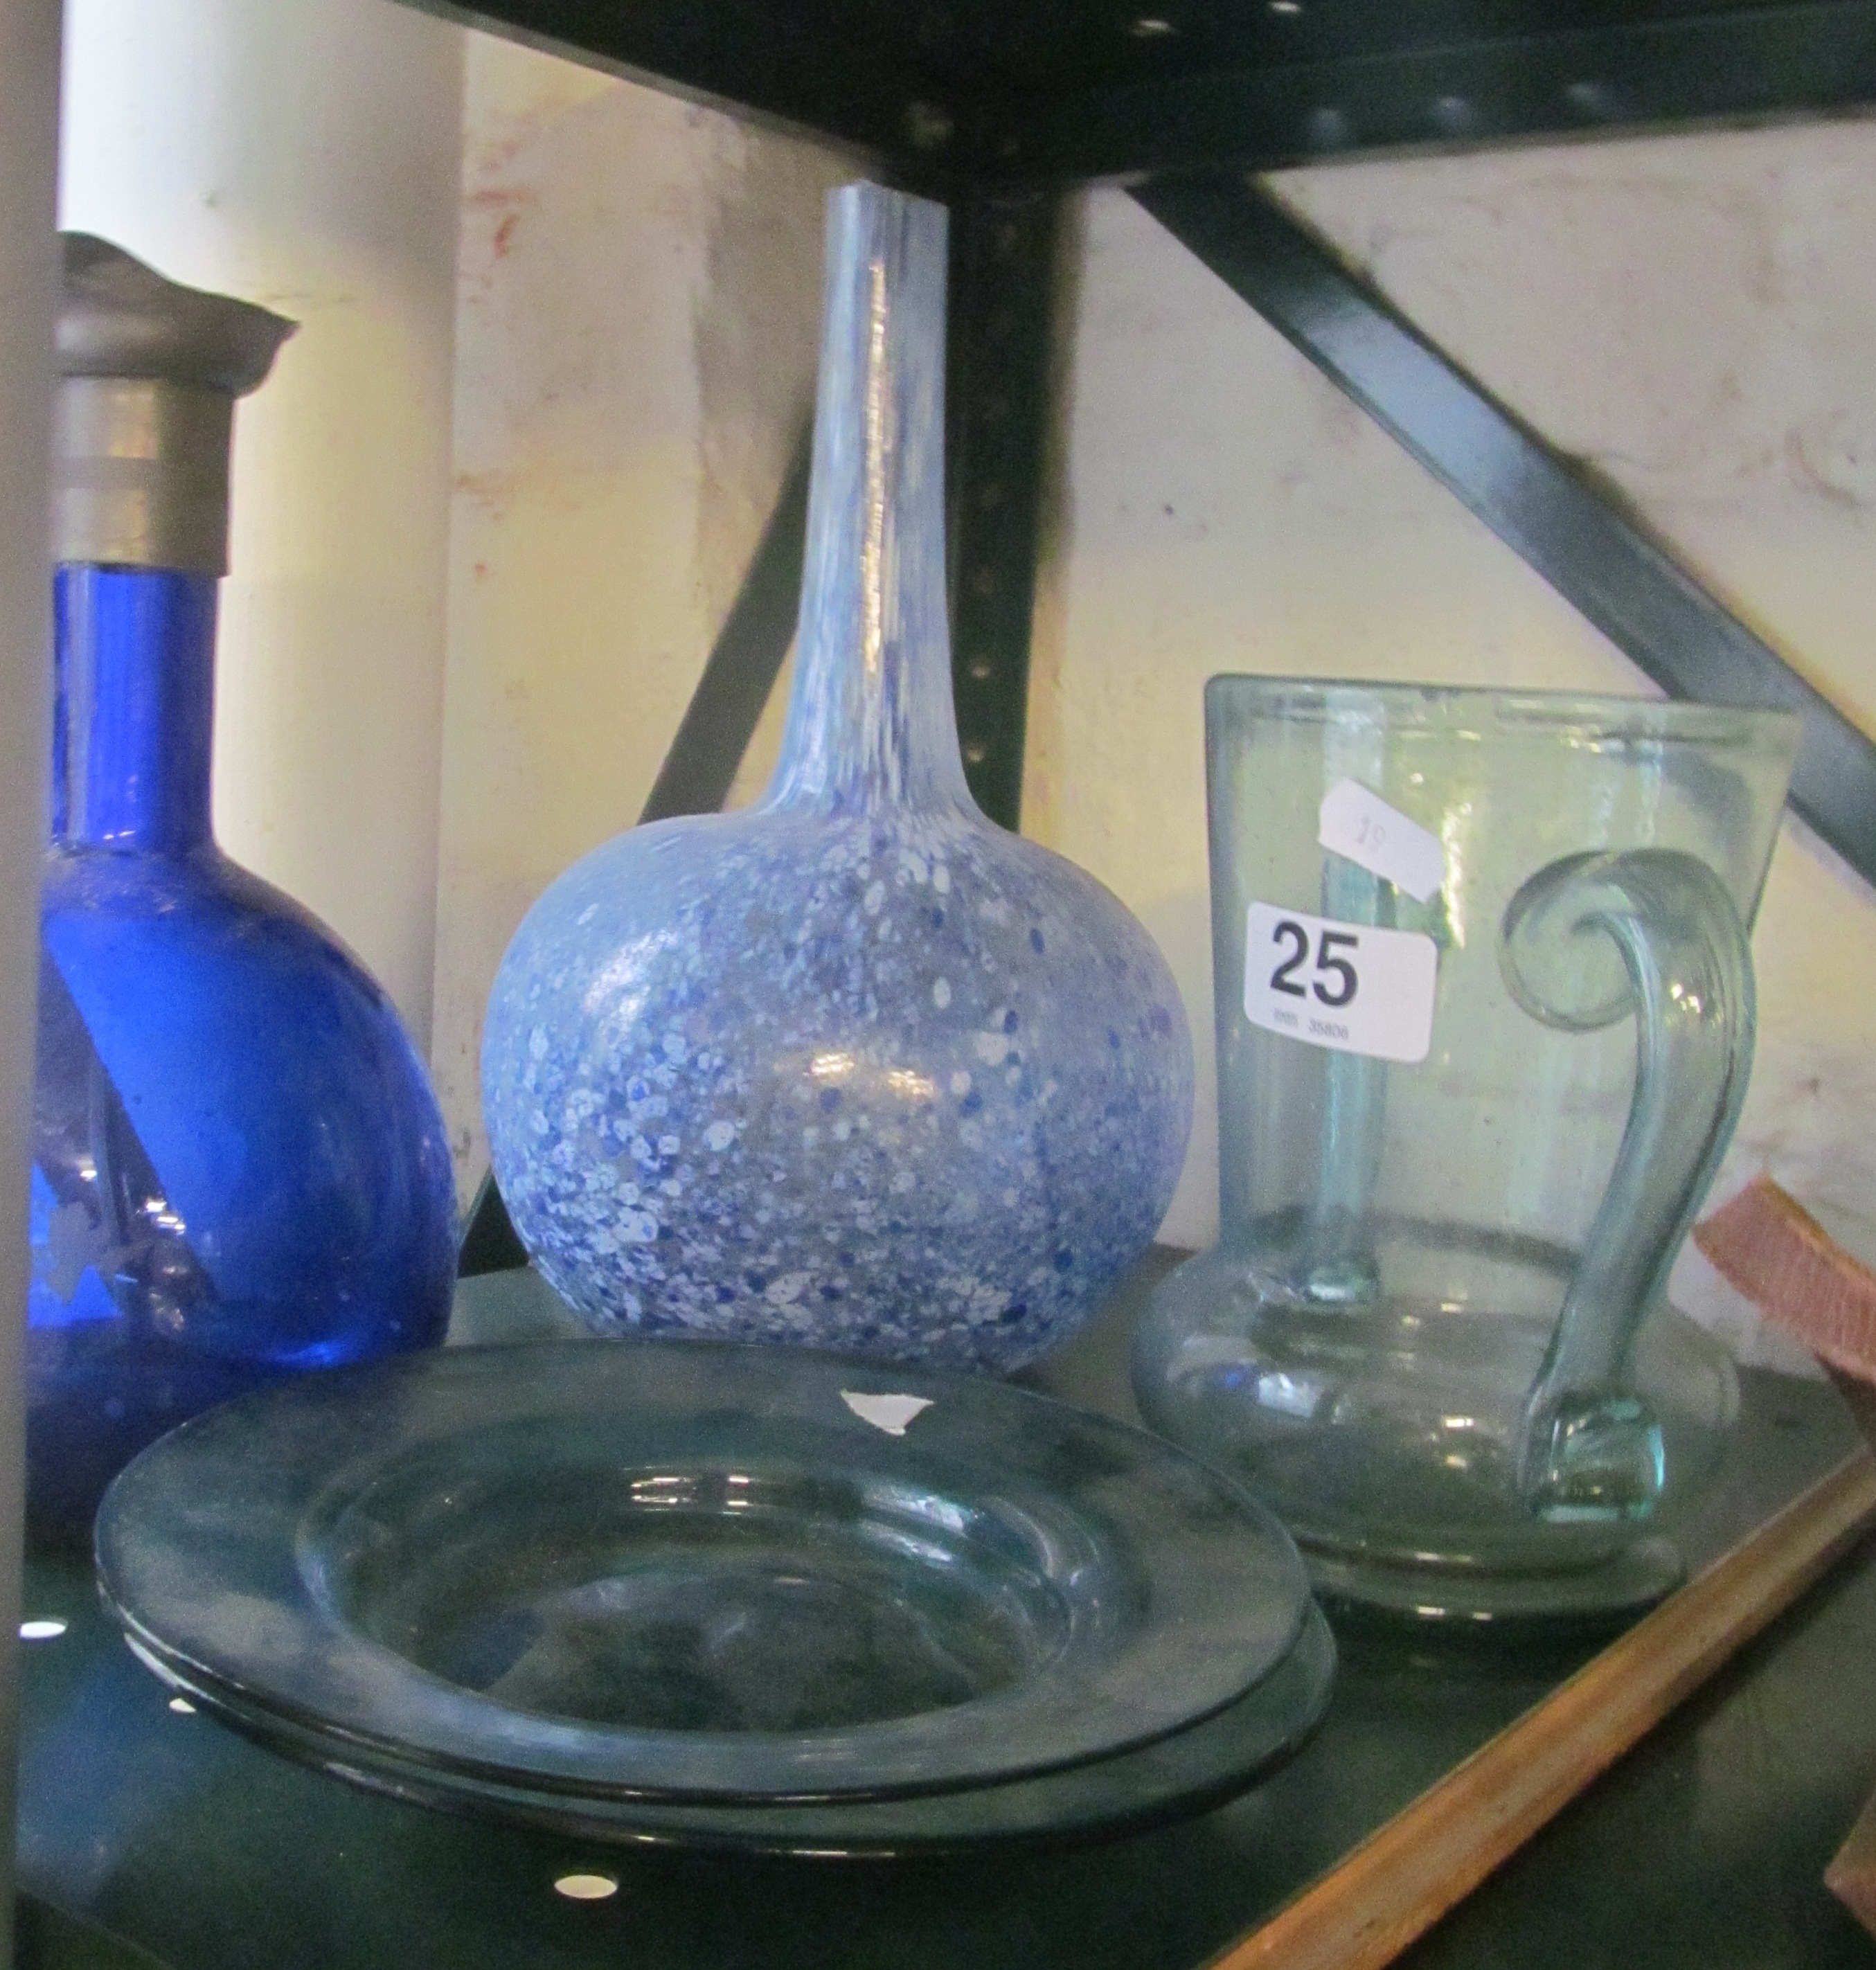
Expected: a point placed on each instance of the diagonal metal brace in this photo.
(1540, 503)
(740, 671)
(701, 765)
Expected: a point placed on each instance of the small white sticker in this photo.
(1361, 826)
(1349, 986)
(890, 1413)
(586, 1887)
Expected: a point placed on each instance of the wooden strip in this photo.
(1768, 1245)
(1393, 1887)
(1851, 1876)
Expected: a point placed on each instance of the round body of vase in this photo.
(239, 1170)
(854, 1067)
(910, 1085)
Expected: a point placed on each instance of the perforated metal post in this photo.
(29, 100)
(1003, 259)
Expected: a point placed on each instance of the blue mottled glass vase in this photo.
(854, 1067)
(239, 1170)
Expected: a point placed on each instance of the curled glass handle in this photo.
(1586, 941)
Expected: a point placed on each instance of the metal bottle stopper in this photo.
(149, 371)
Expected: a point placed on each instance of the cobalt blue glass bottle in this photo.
(854, 1067)
(239, 1171)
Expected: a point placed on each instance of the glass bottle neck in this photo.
(134, 709)
(870, 721)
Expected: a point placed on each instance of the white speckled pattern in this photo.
(855, 1067)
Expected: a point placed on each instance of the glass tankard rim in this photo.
(1482, 712)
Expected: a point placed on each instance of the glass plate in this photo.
(1185, 1772)
(688, 1570)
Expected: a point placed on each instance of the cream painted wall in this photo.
(638, 298)
(1696, 316)
(307, 157)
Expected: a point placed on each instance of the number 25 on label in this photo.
(1350, 988)
(1328, 945)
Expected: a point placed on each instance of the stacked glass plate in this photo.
(688, 1592)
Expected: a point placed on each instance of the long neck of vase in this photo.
(871, 720)
(133, 657)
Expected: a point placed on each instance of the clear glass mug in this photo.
(1485, 1018)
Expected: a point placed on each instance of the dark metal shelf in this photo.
(950, 92)
(216, 1855)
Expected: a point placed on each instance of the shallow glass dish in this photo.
(1186, 1772)
(695, 1571)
